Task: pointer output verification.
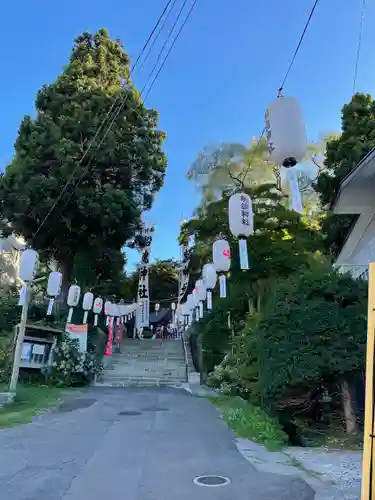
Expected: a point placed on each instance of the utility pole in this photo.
(21, 335)
(20, 339)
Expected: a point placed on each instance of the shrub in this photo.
(70, 366)
(252, 422)
(315, 329)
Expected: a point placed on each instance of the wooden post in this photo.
(19, 341)
(368, 472)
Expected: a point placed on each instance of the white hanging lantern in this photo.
(196, 302)
(87, 303)
(286, 132)
(173, 306)
(221, 260)
(241, 223)
(107, 305)
(97, 309)
(209, 277)
(202, 293)
(53, 289)
(72, 300)
(157, 307)
(28, 264)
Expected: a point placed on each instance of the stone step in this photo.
(140, 383)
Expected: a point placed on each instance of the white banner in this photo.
(295, 193)
(143, 297)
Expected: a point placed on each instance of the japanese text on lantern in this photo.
(245, 210)
(271, 147)
(226, 253)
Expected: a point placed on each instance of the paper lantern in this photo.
(72, 300)
(241, 223)
(28, 264)
(157, 307)
(221, 260)
(173, 306)
(196, 302)
(74, 294)
(87, 303)
(97, 309)
(286, 133)
(221, 255)
(107, 304)
(209, 278)
(202, 293)
(53, 289)
(112, 310)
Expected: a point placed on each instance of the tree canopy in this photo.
(118, 178)
(313, 329)
(283, 241)
(218, 168)
(163, 281)
(343, 153)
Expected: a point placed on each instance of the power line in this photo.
(164, 45)
(119, 108)
(281, 88)
(298, 45)
(359, 46)
(157, 36)
(99, 129)
(170, 48)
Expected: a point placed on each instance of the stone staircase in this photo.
(146, 363)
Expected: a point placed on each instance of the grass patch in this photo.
(29, 402)
(251, 422)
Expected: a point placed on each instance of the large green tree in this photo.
(343, 153)
(283, 241)
(313, 329)
(219, 167)
(119, 176)
(163, 281)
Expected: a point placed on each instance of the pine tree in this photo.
(121, 173)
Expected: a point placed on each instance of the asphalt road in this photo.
(132, 444)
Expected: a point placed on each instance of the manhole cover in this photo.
(75, 404)
(129, 413)
(211, 481)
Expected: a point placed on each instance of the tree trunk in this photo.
(349, 413)
(66, 270)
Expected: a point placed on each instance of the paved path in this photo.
(94, 453)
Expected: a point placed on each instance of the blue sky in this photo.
(224, 70)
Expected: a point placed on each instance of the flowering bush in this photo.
(70, 366)
(5, 364)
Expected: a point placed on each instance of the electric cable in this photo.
(170, 48)
(99, 129)
(119, 108)
(157, 36)
(359, 46)
(281, 88)
(164, 45)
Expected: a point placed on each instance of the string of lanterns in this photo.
(27, 268)
(287, 146)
